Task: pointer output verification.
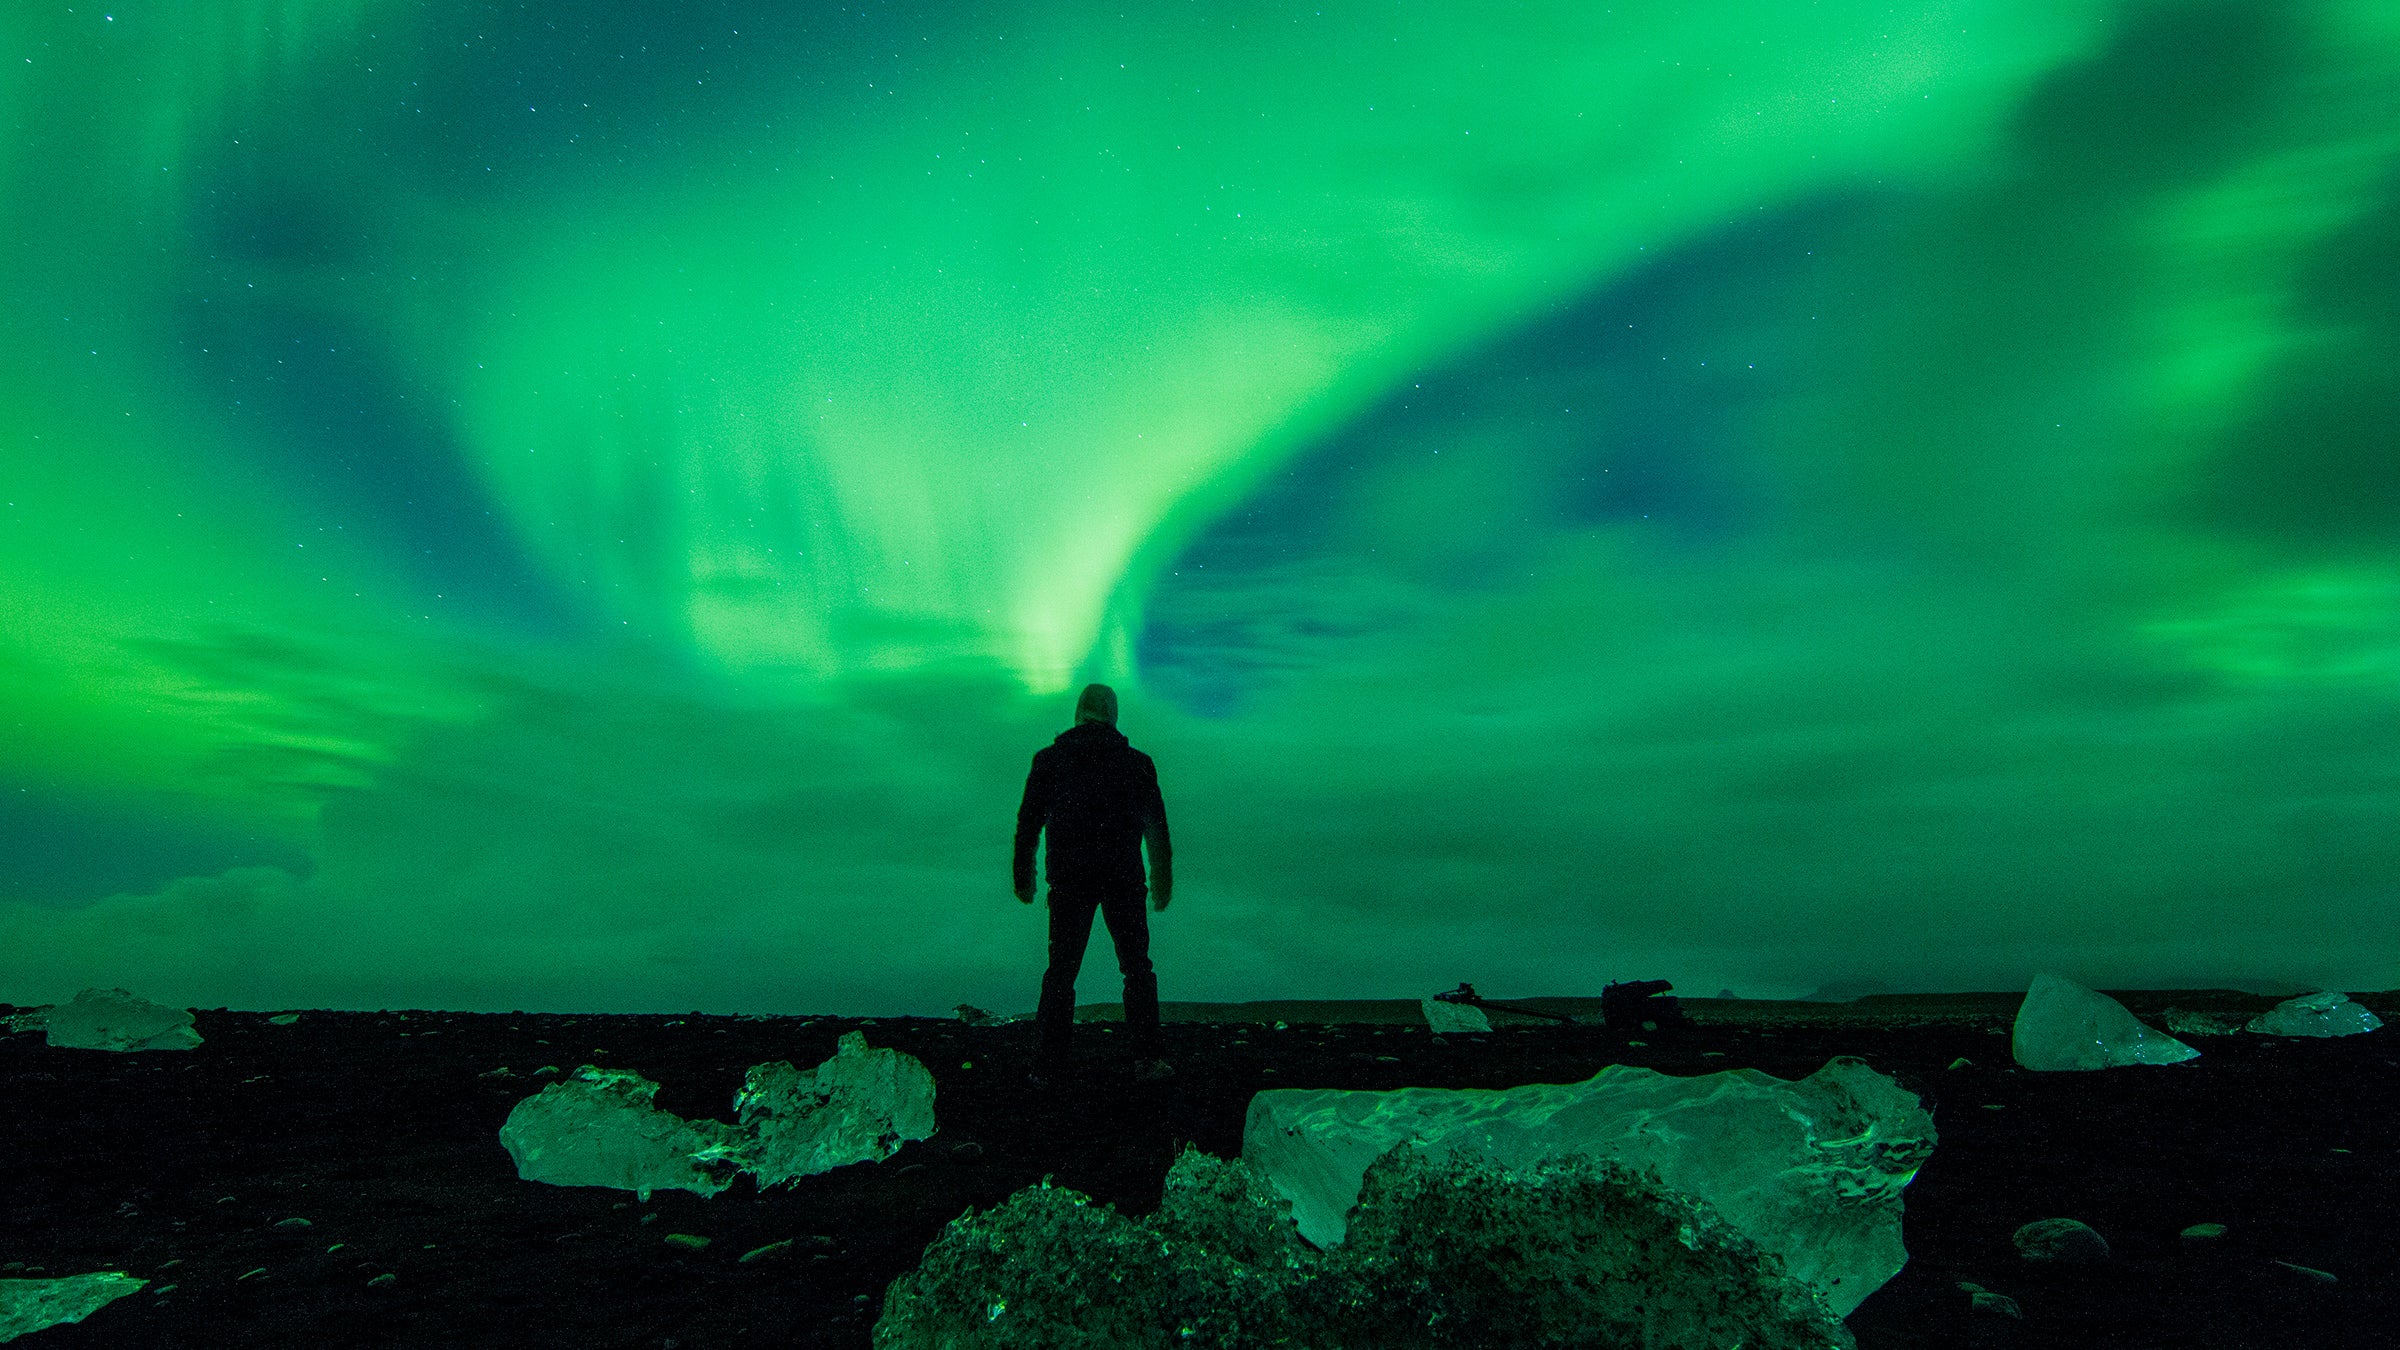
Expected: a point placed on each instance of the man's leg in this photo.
(1129, 929)
(1070, 933)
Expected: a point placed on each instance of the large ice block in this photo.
(1811, 1171)
(2326, 1014)
(1447, 1249)
(29, 1305)
(600, 1129)
(112, 1019)
(2062, 1025)
(855, 1107)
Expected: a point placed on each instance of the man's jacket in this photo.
(1098, 798)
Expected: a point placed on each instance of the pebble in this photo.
(2320, 1276)
(294, 1222)
(2065, 1241)
(690, 1242)
(383, 1281)
(770, 1252)
(1985, 1301)
(2204, 1232)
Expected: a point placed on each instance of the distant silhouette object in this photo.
(1096, 800)
(1641, 1005)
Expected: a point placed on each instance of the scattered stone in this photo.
(547, 1070)
(1985, 1301)
(1962, 1062)
(970, 1149)
(383, 1281)
(690, 1242)
(2062, 1025)
(1811, 1171)
(112, 1019)
(2327, 1014)
(2061, 1241)
(773, 1251)
(27, 1306)
(502, 1072)
(294, 1222)
(2320, 1276)
(2204, 1232)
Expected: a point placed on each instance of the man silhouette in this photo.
(1097, 798)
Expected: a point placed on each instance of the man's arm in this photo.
(1154, 834)
(1032, 814)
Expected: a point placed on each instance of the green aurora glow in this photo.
(594, 508)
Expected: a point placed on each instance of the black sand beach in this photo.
(380, 1130)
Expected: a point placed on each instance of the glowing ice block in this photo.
(2062, 1025)
(855, 1107)
(600, 1129)
(29, 1305)
(2326, 1014)
(1811, 1171)
(112, 1019)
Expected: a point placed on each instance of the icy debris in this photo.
(27, 1306)
(2063, 1241)
(1445, 1249)
(855, 1107)
(2062, 1025)
(284, 1019)
(2326, 1014)
(1444, 1017)
(600, 1127)
(2187, 1022)
(1810, 1171)
(112, 1019)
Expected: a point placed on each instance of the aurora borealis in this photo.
(594, 507)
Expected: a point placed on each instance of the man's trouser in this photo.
(1070, 933)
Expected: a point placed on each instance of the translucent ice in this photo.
(1810, 1171)
(2062, 1025)
(600, 1129)
(1454, 1016)
(1445, 1250)
(855, 1107)
(111, 1019)
(2326, 1014)
(29, 1305)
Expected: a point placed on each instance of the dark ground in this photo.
(378, 1129)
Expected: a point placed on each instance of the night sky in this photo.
(594, 506)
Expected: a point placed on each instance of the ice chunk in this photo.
(2326, 1014)
(600, 1129)
(27, 1306)
(1454, 1016)
(111, 1019)
(1446, 1249)
(2062, 1025)
(2187, 1022)
(855, 1107)
(1811, 1171)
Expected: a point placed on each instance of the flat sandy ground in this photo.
(380, 1130)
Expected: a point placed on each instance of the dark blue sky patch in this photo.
(1640, 406)
(64, 849)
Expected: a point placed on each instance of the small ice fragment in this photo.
(1453, 1016)
(27, 1306)
(2326, 1014)
(112, 1019)
(2062, 1025)
(284, 1019)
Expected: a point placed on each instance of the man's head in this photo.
(1098, 704)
